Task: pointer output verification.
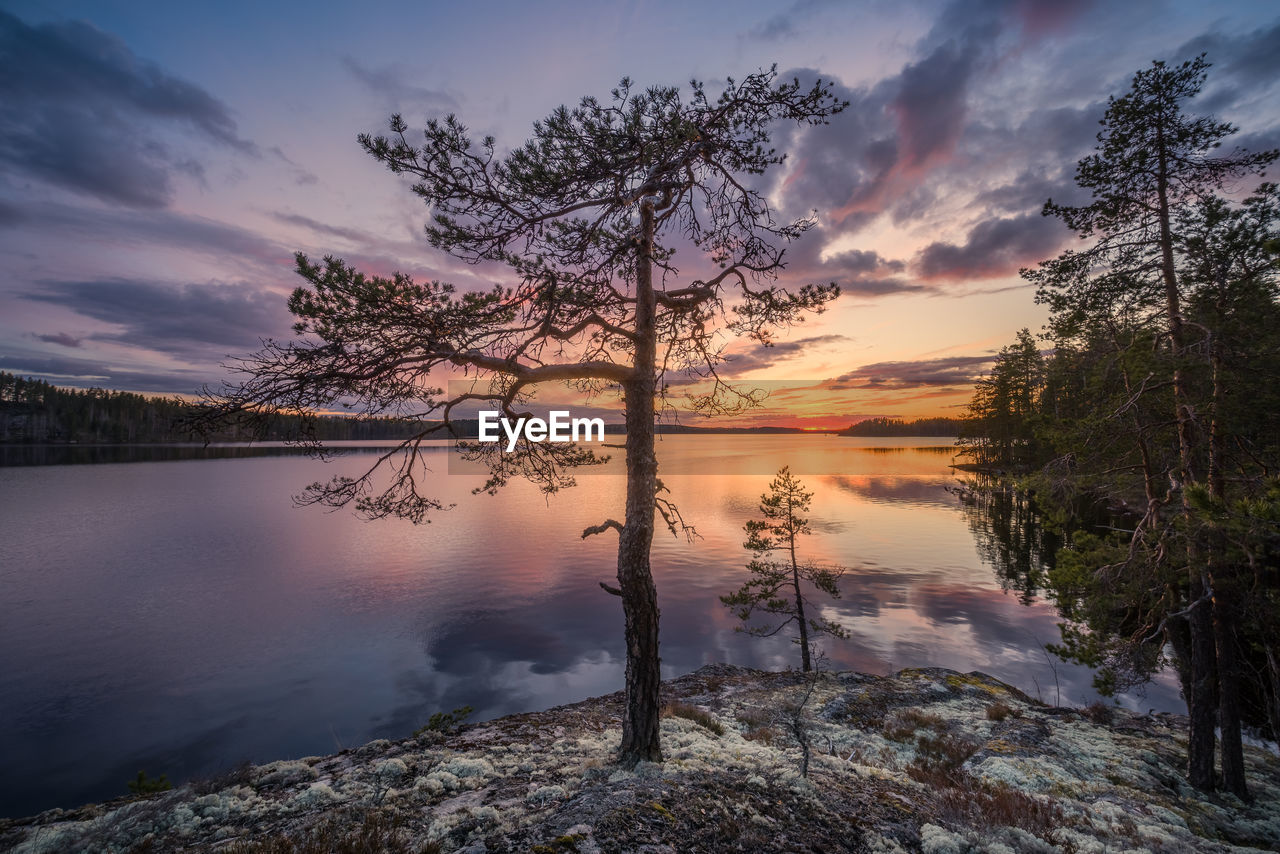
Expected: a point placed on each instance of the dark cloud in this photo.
(1058, 135)
(893, 133)
(72, 150)
(783, 24)
(862, 261)
(351, 234)
(856, 271)
(865, 273)
(86, 373)
(841, 168)
(913, 204)
(1254, 58)
(1047, 144)
(930, 130)
(1244, 66)
(764, 357)
(787, 349)
(994, 248)
(61, 339)
(153, 228)
(951, 371)
(192, 321)
(1041, 18)
(1258, 141)
(930, 104)
(872, 287)
(79, 110)
(389, 83)
(232, 245)
(1027, 192)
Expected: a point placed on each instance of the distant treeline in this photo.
(36, 411)
(897, 427)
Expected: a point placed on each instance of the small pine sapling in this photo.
(775, 586)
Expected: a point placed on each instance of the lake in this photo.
(182, 616)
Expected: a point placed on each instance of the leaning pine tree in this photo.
(586, 216)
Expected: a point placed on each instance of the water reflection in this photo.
(1009, 533)
(182, 617)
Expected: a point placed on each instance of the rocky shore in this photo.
(925, 760)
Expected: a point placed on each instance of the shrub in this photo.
(999, 806)
(445, 723)
(693, 713)
(144, 785)
(1000, 710)
(754, 717)
(938, 760)
(902, 725)
(1099, 713)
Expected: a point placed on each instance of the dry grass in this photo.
(902, 724)
(1099, 713)
(1000, 710)
(370, 832)
(762, 734)
(999, 806)
(689, 712)
(939, 759)
(237, 775)
(754, 717)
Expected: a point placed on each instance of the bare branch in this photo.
(606, 525)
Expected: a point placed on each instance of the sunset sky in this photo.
(161, 162)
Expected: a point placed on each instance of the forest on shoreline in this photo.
(1144, 422)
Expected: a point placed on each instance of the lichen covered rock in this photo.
(926, 760)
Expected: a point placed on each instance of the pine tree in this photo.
(775, 587)
(586, 217)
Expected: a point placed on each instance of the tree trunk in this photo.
(1229, 717)
(1201, 701)
(1178, 635)
(1225, 613)
(640, 718)
(1271, 690)
(806, 664)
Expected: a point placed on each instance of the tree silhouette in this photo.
(999, 428)
(587, 217)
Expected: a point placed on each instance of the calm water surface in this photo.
(182, 616)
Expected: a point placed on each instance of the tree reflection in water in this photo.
(1008, 532)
